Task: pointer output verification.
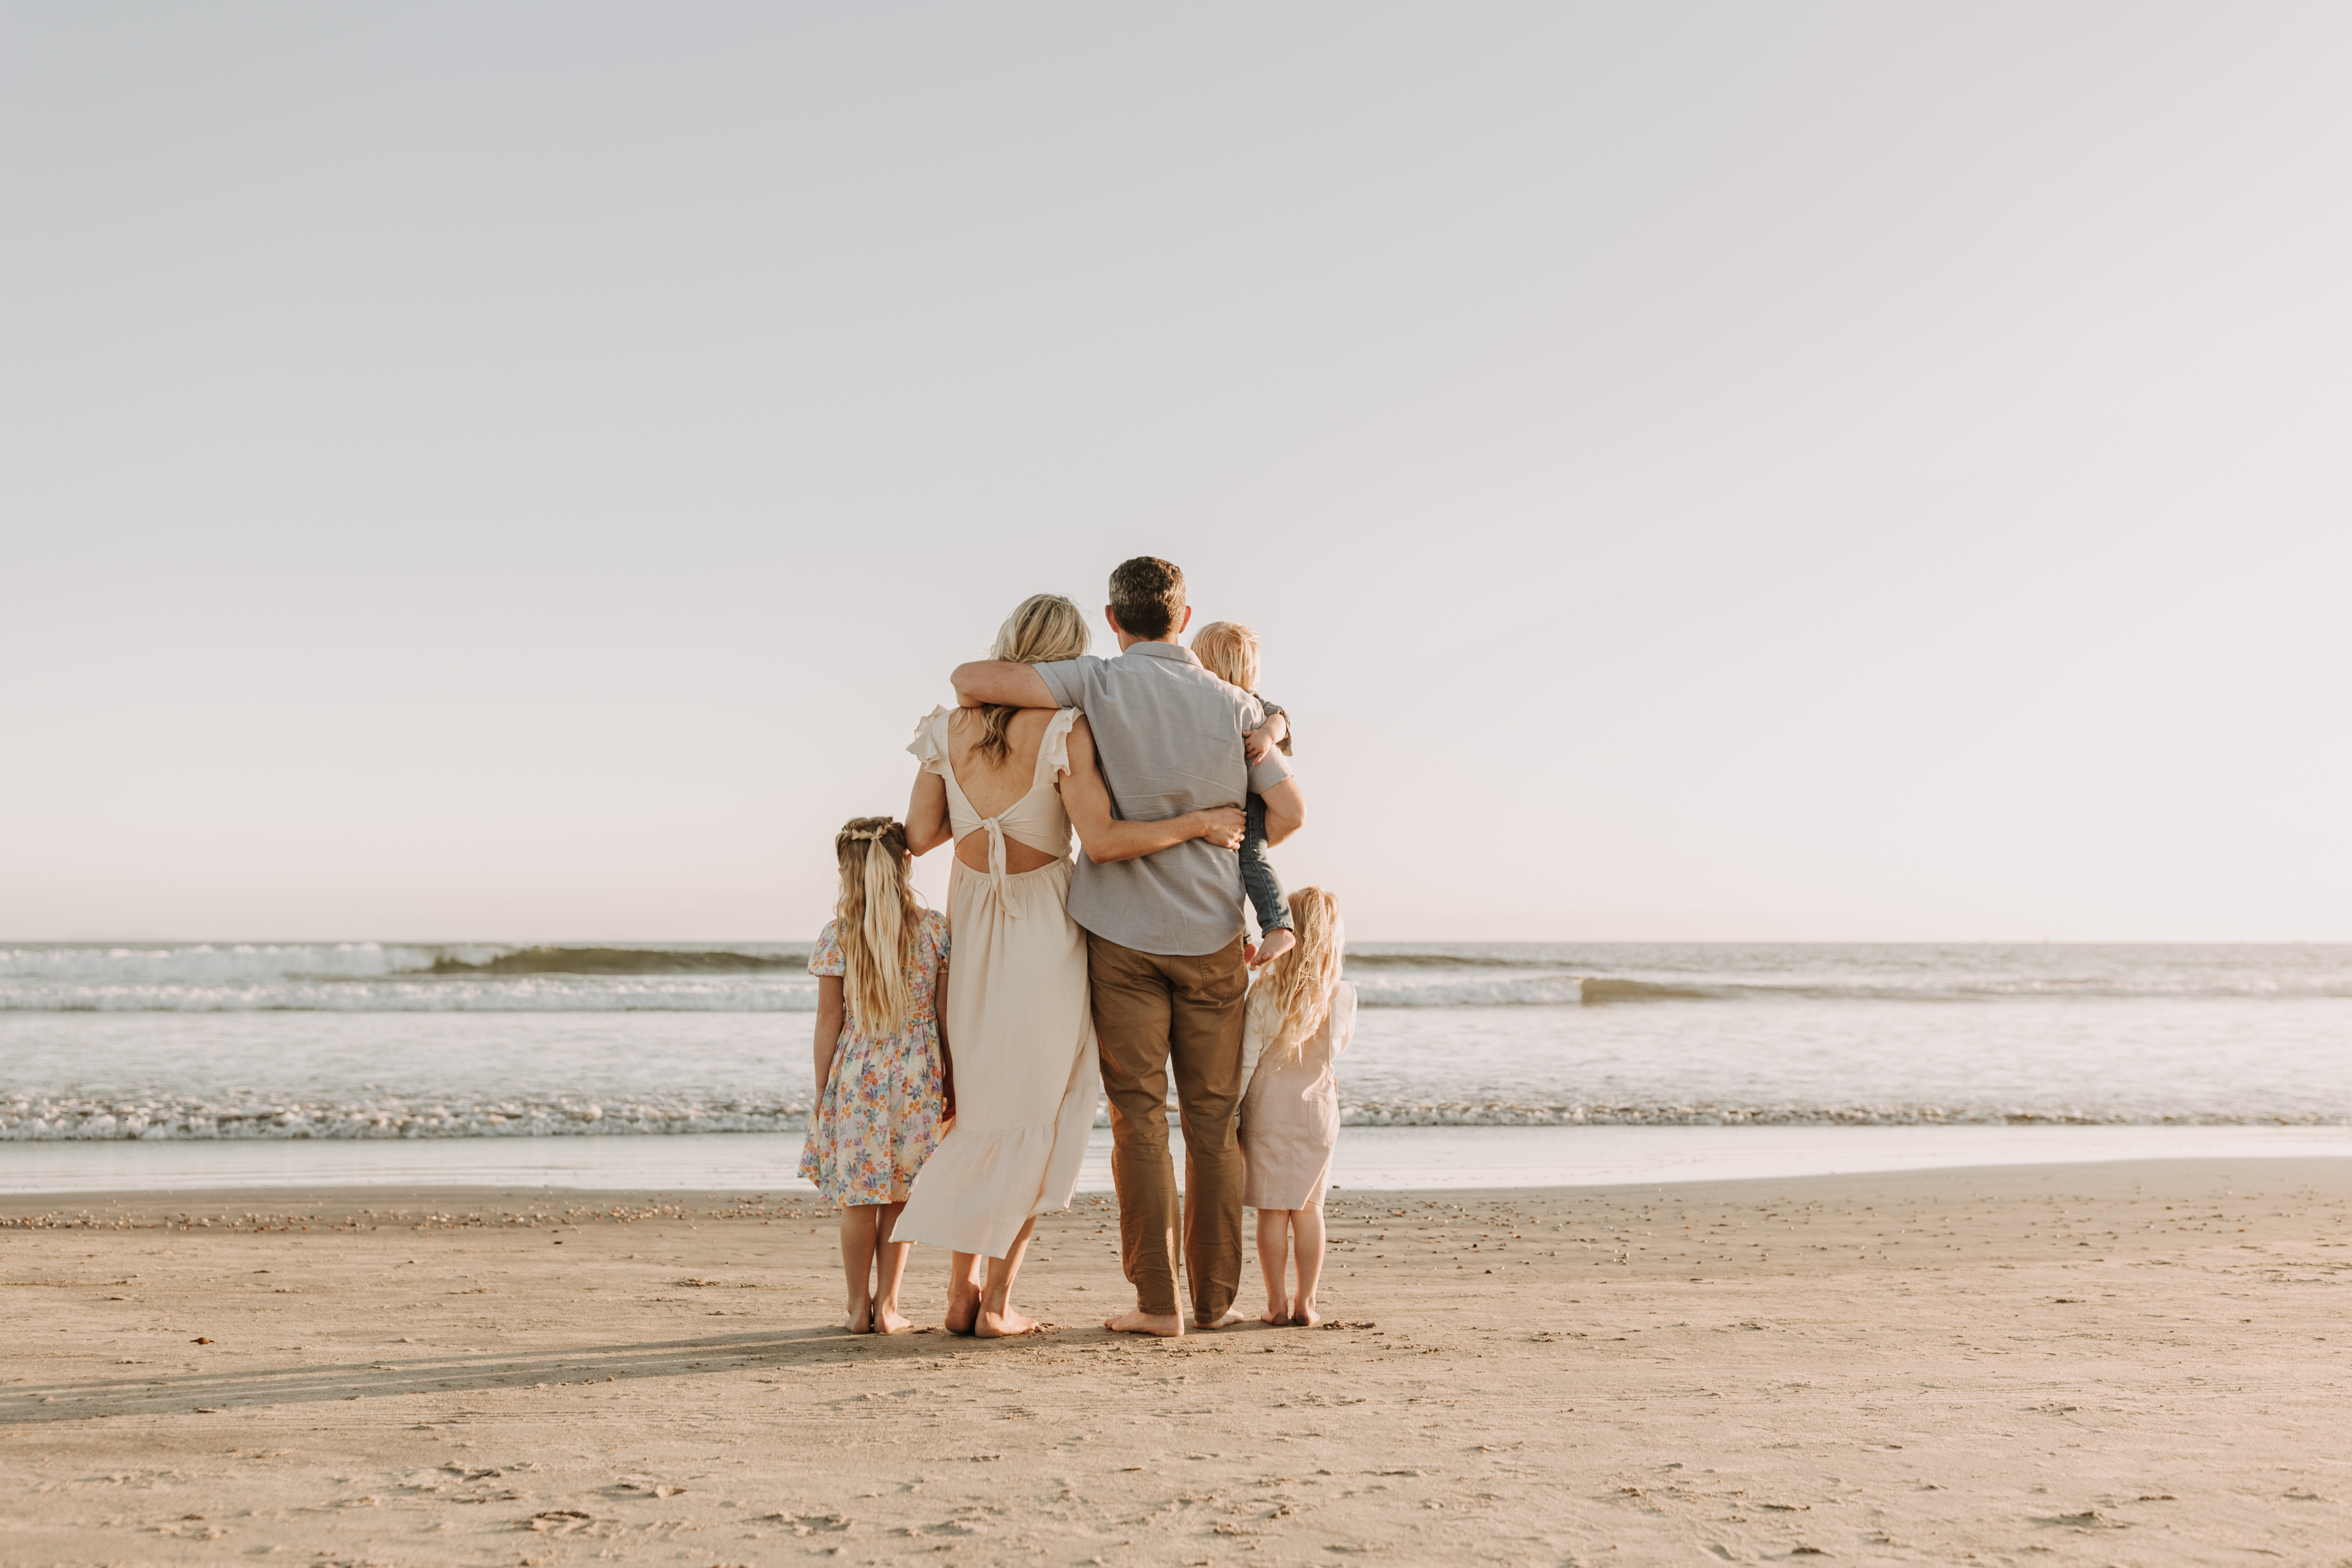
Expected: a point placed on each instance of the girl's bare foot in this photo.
(1277, 941)
(1276, 1314)
(1305, 1316)
(1002, 1325)
(887, 1320)
(861, 1318)
(1167, 1325)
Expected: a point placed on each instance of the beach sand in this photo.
(2121, 1363)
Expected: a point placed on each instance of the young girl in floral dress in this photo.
(881, 1061)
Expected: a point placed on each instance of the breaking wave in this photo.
(236, 1117)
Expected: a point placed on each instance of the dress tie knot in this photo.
(996, 863)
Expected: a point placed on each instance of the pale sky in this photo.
(1795, 472)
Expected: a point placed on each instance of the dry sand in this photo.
(2126, 1364)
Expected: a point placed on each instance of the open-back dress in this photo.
(1021, 1033)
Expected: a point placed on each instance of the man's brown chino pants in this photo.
(1154, 1013)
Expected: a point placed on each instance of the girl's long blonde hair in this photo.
(1293, 994)
(875, 919)
(1045, 629)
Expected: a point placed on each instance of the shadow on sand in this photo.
(33, 1403)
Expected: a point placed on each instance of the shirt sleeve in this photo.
(827, 958)
(1068, 678)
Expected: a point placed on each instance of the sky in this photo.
(1698, 472)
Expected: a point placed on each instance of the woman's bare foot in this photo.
(963, 1307)
(887, 1320)
(1305, 1316)
(1277, 941)
(1276, 1314)
(1167, 1325)
(1003, 1325)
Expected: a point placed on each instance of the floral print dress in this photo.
(880, 1111)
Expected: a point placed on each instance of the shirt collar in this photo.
(1163, 650)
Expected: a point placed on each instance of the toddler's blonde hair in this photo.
(1293, 994)
(1045, 628)
(874, 919)
(1228, 651)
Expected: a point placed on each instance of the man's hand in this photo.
(1223, 825)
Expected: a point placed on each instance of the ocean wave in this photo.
(250, 1118)
(617, 960)
(559, 994)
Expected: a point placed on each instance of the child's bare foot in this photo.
(1276, 1313)
(1277, 941)
(1305, 1316)
(1233, 1315)
(887, 1320)
(1167, 1325)
(861, 1318)
(1002, 1325)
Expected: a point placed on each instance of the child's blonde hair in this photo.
(1293, 994)
(1228, 651)
(874, 919)
(1045, 628)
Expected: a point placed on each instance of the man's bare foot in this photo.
(1233, 1315)
(1305, 1316)
(1277, 941)
(1276, 1315)
(887, 1320)
(1167, 1325)
(1003, 1325)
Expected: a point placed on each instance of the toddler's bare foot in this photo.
(887, 1320)
(1002, 1325)
(1233, 1315)
(1305, 1316)
(1276, 1313)
(1167, 1325)
(1277, 941)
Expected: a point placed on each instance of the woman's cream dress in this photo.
(1020, 1034)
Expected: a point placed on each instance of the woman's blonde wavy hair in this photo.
(1293, 994)
(875, 919)
(1045, 629)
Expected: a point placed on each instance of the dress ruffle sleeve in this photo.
(1054, 751)
(929, 746)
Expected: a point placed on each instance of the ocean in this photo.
(221, 1042)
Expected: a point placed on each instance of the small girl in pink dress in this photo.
(1300, 1016)
(881, 1061)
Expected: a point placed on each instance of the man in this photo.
(1164, 934)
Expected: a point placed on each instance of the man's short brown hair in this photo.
(1146, 595)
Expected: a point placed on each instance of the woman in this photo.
(1024, 1075)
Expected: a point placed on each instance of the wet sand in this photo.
(2119, 1364)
